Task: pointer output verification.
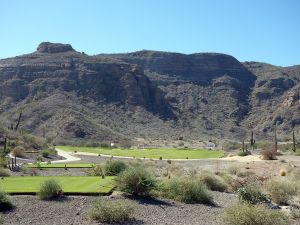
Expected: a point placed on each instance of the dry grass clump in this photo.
(4, 172)
(280, 189)
(50, 189)
(18, 151)
(233, 170)
(111, 211)
(136, 181)
(213, 182)
(187, 190)
(269, 153)
(246, 214)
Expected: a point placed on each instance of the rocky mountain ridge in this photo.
(65, 94)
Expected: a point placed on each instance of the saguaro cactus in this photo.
(294, 142)
(252, 141)
(275, 139)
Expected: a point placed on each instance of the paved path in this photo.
(68, 157)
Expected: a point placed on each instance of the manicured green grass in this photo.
(61, 165)
(154, 153)
(70, 184)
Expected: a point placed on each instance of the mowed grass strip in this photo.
(154, 153)
(70, 184)
(61, 165)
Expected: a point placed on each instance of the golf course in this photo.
(152, 153)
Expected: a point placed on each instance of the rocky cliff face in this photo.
(67, 94)
(59, 73)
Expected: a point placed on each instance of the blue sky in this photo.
(256, 30)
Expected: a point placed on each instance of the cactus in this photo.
(243, 146)
(18, 122)
(275, 140)
(252, 141)
(294, 142)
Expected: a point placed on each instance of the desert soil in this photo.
(73, 211)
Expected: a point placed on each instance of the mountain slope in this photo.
(68, 95)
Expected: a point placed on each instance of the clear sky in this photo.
(256, 30)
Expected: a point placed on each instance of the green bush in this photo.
(136, 181)
(5, 202)
(46, 153)
(1, 219)
(113, 167)
(50, 189)
(4, 172)
(251, 195)
(111, 211)
(187, 190)
(213, 182)
(245, 214)
(280, 189)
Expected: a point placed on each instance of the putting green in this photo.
(61, 165)
(154, 153)
(69, 184)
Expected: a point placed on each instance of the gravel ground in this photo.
(72, 211)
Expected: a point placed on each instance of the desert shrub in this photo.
(104, 145)
(251, 195)
(280, 189)
(136, 180)
(111, 211)
(213, 182)
(5, 202)
(245, 173)
(233, 170)
(50, 189)
(3, 162)
(46, 153)
(245, 153)
(269, 153)
(229, 146)
(246, 214)
(97, 171)
(18, 151)
(114, 167)
(187, 190)
(4, 172)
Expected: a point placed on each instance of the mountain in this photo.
(67, 95)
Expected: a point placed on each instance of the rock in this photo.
(47, 47)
